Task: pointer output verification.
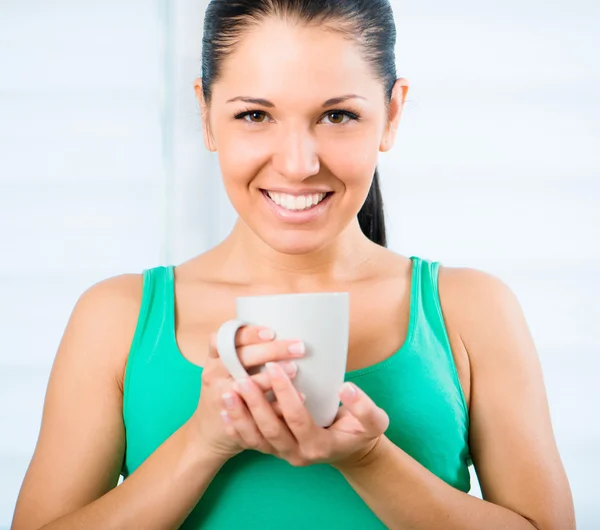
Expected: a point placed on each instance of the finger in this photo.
(277, 407)
(216, 371)
(374, 419)
(271, 427)
(240, 419)
(253, 335)
(280, 350)
(230, 429)
(263, 381)
(296, 415)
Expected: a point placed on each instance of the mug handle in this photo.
(227, 350)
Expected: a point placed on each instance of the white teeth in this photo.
(296, 203)
(289, 202)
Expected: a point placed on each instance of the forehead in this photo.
(277, 58)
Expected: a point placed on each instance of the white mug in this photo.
(321, 321)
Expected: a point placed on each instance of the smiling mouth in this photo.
(296, 203)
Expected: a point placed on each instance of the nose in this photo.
(295, 155)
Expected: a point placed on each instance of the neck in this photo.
(244, 255)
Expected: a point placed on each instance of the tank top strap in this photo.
(155, 322)
(157, 311)
(433, 325)
(429, 299)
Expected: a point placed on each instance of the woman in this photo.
(298, 99)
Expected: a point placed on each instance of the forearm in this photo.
(405, 495)
(159, 495)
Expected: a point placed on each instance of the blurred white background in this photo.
(497, 167)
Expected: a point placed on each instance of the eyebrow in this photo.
(341, 99)
(267, 103)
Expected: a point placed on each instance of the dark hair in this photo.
(368, 22)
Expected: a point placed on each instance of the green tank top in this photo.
(418, 387)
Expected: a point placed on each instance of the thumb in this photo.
(373, 418)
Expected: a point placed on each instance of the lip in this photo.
(301, 216)
(297, 193)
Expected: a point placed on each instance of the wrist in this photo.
(199, 451)
(365, 459)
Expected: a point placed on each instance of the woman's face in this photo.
(298, 119)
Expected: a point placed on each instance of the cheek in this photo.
(352, 159)
(241, 157)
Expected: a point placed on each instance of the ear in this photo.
(396, 106)
(208, 138)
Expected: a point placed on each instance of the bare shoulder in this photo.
(475, 284)
(481, 306)
(107, 314)
(81, 444)
(463, 293)
(511, 437)
(124, 289)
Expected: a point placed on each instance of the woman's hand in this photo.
(255, 346)
(251, 422)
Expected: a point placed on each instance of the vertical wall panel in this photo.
(81, 184)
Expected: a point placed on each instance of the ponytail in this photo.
(371, 217)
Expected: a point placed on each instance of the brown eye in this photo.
(256, 117)
(336, 118)
(340, 117)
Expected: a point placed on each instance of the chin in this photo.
(296, 244)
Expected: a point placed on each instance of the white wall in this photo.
(498, 167)
(81, 184)
(102, 171)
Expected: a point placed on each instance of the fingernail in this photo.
(297, 348)
(229, 400)
(266, 334)
(302, 397)
(350, 391)
(225, 417)
(242, 385)
(290, 368)
(272, 369)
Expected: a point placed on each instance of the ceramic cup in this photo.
(321, 321)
